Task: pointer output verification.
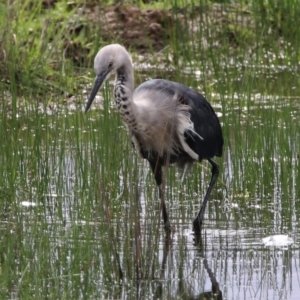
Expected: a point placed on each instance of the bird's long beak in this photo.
(97, 85)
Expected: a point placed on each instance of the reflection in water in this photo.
(69, 231)
(230, 259)
(215, 290)
(185, 290)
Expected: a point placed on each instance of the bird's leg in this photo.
(161, 190)
(157, 171)
(199, 219)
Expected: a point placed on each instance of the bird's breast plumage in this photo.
(168, 118)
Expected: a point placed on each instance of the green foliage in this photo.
(41, 46)
(37, 47)
(92, 228)
(280, 16)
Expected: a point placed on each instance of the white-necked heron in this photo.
(168, 122)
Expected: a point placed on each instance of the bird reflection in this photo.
(185, 290)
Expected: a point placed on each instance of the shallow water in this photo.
(80, 217)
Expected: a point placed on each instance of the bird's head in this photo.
(108, 61)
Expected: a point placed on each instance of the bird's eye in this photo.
(110, 64)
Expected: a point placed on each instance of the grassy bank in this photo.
(48, 47)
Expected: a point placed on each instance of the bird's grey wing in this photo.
(168, 112)
(205, 138)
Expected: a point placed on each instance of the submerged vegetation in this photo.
(79, 215)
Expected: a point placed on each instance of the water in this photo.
(80, 217)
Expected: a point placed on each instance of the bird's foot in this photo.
(197, 225)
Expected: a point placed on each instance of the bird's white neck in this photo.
(123, 91)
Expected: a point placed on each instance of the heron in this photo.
(167, 122)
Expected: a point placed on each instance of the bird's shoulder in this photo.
(172, 90)
(160, 95)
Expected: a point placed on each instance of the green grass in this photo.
(95, 231)
(42, 47)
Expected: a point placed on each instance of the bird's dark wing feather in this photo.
(207, 125)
